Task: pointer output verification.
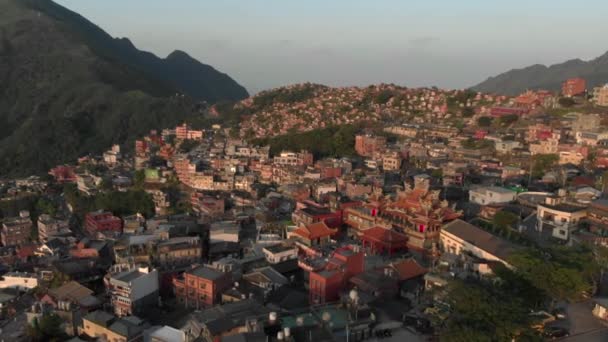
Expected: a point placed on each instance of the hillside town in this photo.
(442, 210)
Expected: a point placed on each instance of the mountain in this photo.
(550, 78)
(67, 88)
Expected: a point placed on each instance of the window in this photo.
(203, 286)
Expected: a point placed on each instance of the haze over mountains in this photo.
(67, 88)
(537, 76)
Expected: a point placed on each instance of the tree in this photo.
(504, 220)
(485, 311)
(484, 121)
(566, 102)
(47, 328)
(468, 112)
(563, 273)
(541, 163)
(188, 145)
(508, 119)
(45, 206)
(139, 178)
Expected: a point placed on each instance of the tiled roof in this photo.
(315, 231)
(408, 269)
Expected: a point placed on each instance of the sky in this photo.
(265, 44)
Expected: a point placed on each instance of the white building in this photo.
(491, 195)
(225, 231)
(132, 289)
(460, 238)
(19, 280)
(562, 218)
(279, 253)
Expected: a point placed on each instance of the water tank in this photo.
(280, 336)
(287, 332)
(272, 317)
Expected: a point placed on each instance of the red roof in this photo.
(315, 231)
(384, 236)
(408, 269)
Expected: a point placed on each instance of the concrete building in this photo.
(16, 230)
(460, 238)
(561, 217)
(201, 287)
(132, 289)
(491, 195)
(49, 226)
(573, 87)
(19, 280)
(102, 221)
(369, 146)
(600, 95)
(106, 327)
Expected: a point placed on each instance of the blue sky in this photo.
(447, 43)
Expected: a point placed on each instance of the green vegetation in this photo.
(487, 311)
(508, 120)
(476, 144)
(78, 101)
(286, 95)
(566, 102)
(48, 328)
(327, 142)
(383, 96)
(563, 273)
(119, 203)
(504, 220)
(484, 121)
(541, 163)
(188, 145)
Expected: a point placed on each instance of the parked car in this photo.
(555, 333)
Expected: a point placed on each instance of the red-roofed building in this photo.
(315, 234)
(382, 240)
(504, 111)
(407, 269)
(102, 221)
(326, 283)
(63, 174)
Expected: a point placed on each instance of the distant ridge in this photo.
(539, 76)
(68, 89)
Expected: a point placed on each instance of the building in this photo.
(63, 174)
(460, 238)
(201, 287)
(132, 289)
(315, 234)
(49, 226)
(102, 221)
(106, 327)
(391, 161)
(326, 283)
(573, 87)
(179, 251)
(19, 281)
(491, 195)
(600, 95)
(17, 230)
(590, 138)
(369, 146)
(302, 158)
(278, 253)
(185, 132)
(561, 217)
(600, 309)
(383, 240)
